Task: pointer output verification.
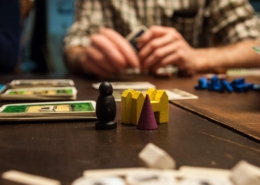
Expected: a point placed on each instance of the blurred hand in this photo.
(109, 53)
(161, 46)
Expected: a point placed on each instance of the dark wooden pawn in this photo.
(105, 108)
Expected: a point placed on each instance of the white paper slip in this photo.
(128, 85)
(177, 94)
(41, 83)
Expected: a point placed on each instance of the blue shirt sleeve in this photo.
(9, 34)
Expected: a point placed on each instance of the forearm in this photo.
(238, 55)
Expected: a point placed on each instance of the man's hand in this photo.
(161, 46)
(109, 53)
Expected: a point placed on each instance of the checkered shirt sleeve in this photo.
(231, 21)
(201, 24)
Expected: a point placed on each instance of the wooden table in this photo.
(63, 150)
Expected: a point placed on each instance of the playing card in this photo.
(41, 83)
(47, 93)
(133, 37)
(177, 94)
(71, 110)
(128, 85)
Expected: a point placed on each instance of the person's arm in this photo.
(103, 52)
(237, 55)
(233, 25)
(77, 38)
(9, 35)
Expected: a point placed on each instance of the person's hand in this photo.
(161, 46)
(109, 53)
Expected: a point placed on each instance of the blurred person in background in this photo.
(195, 35)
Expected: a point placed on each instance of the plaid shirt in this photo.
(203, 23)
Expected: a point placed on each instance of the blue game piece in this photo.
(238, 81)
(218, 87)
(2, 88)
(215, 85)
(240, 88)
(227, 86)
(214, 80)
(249, 86)
(203, 83)
(197, 87)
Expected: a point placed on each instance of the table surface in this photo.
(63, 150)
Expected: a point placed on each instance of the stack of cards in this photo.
(73, 110)
(41, 83)
(48, 93)
(39, 90)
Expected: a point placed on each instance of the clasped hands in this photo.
(110, 53)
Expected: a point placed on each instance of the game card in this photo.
(41, 83)
(133, 37)
(177, 94)
(48, 111)
(53, 93)
(128, 85)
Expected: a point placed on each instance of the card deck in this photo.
(128, 85)
(47, 93)
(72, 110)
(41, 83)
(133, 37)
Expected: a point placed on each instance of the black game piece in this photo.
(105, 108)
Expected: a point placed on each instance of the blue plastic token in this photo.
(227, 86)
(2, 88)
